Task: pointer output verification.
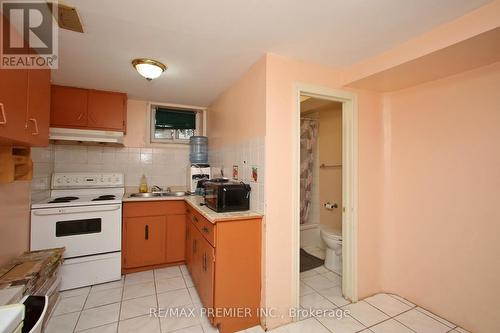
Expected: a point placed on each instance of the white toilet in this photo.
(333, 240)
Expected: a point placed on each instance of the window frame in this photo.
(200, 122)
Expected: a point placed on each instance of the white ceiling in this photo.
(209, 44)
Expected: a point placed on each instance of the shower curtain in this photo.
(308, 138)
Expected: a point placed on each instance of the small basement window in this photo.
(174, 125)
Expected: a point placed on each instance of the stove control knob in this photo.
(58, 180)
(67, 180)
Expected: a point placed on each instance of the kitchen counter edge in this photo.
(194, 201)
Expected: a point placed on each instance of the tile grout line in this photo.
(80, 314)
(416, 306)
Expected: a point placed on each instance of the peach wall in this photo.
(442, 232)
(483, 19)
(14, 219)
(137, 117)
(238, 114)
(282, 76)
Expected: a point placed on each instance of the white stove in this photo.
(83, 214)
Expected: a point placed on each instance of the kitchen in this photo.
(151, 160)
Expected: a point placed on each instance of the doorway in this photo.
(325, 193)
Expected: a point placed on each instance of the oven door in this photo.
(84, 230)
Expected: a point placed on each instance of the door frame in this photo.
(349, 186)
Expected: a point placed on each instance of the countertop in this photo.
(195, 201)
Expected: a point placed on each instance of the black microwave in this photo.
(222, 195)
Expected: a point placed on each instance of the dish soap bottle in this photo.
(143, 188)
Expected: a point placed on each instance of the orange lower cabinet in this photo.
(154, 234)
(225, 264)
(144, 244)
(176, 236)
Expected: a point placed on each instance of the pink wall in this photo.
(282, 76)
(239, 112)
(441, 246)
(14, 219)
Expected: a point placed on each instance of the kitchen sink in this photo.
(159, 194)
(145, 195)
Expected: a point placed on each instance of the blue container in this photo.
(198, 149)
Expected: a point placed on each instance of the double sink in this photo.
(159, 194)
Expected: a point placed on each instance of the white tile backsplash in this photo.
(246, 154)
(43, 166)
(162, 166)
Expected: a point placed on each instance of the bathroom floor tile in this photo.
(315, 301)
(319, 282)
(334, 295)
(305, 289)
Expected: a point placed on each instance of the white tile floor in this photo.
(123, 306)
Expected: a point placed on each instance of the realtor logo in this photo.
(29, 35)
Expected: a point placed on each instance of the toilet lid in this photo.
(332, 231)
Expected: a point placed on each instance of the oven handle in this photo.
(73, 210)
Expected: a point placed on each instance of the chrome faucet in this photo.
(156, 188)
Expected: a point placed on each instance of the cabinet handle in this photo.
(80, 116)
(195, 219)
(4, 116)
(35, 122)
(205, 230)
(146, 232)
(204, 262)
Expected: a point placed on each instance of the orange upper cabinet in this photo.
(107, 110)
(13, 105)
(68, 107)
(88, 109)
(38, 115)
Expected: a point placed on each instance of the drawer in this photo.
(153, 208)
(206, 228)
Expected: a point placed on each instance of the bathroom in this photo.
(320, 203)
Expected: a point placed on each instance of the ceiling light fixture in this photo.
(149, 68)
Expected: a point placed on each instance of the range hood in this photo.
(70, 135)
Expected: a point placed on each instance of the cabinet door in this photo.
(68, 107)
(206, 288)
(188, 243)
(176, 237)
(144, 242)
(38, 107)
(196, 238)
(13, 105)
(107, 110)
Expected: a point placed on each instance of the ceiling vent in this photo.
(67, 17)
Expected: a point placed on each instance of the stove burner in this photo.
(63, 199)
(105, 197)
